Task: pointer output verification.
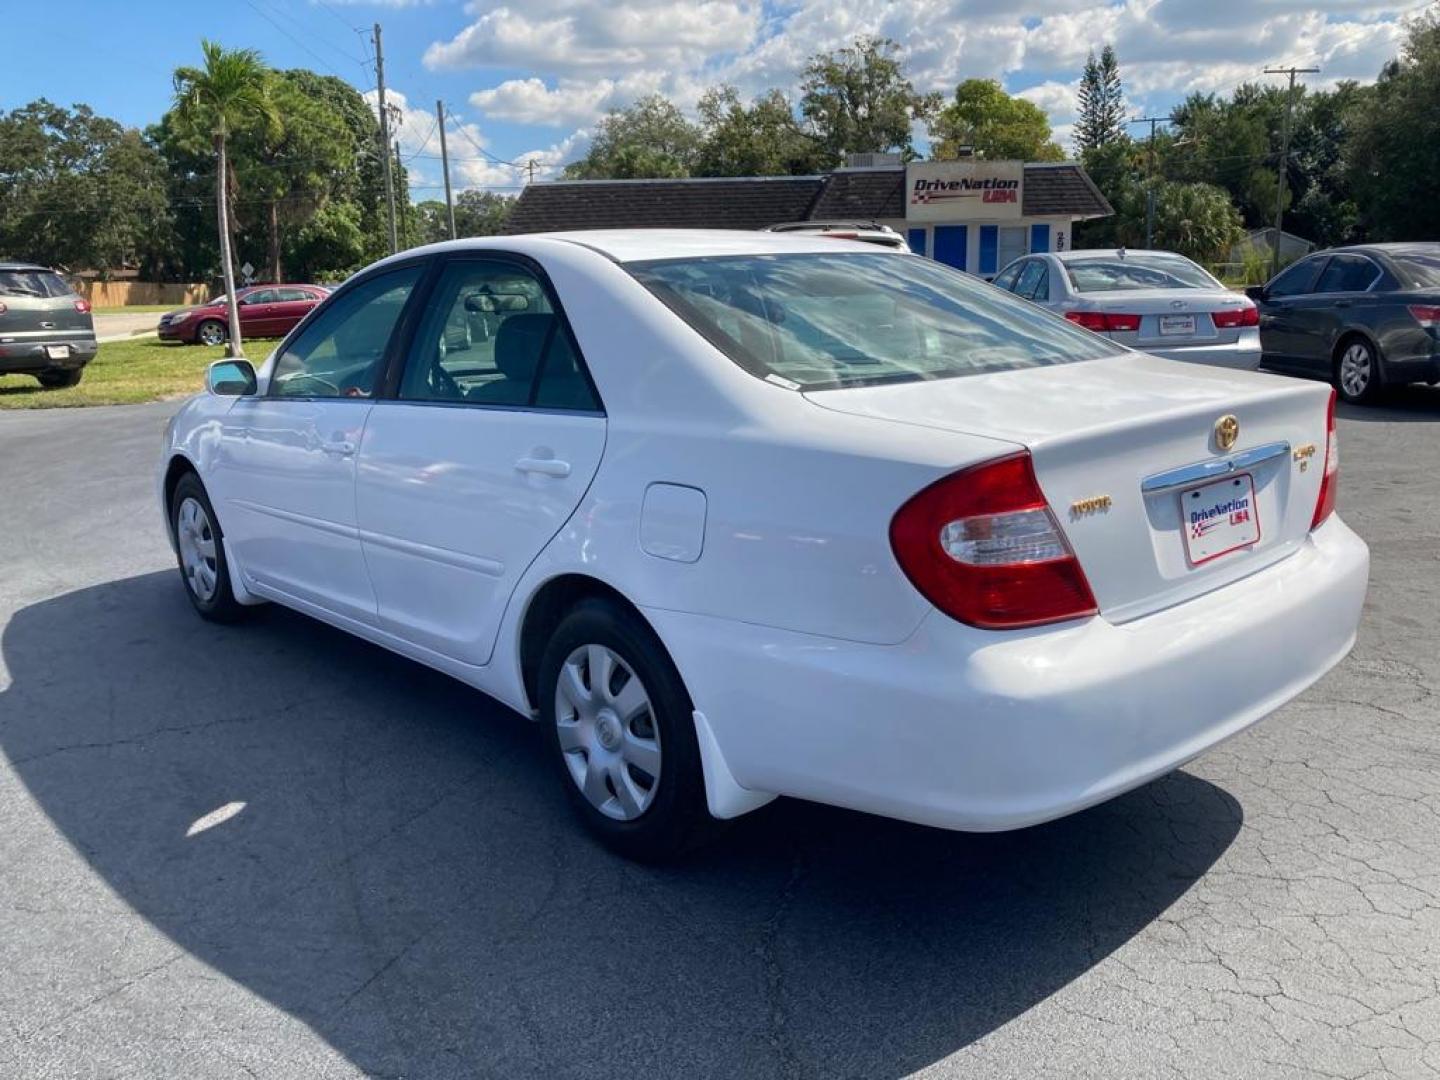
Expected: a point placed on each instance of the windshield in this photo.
(1422, 271)
(1119, 274)
(813, 321)
(38, 283)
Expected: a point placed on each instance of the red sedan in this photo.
(265, 311)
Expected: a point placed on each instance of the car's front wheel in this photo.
(211, 332)
(1357, 372)
(200, 551)
(622, 733)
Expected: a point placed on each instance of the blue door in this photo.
(989, 249)
(916, 239)
(1039, 238)
(950, 244)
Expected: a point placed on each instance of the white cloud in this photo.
(578, 58)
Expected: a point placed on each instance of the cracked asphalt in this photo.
(403, 894)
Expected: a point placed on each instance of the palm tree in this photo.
(230, 92)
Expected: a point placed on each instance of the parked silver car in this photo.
(1155, 301)
(46, 328)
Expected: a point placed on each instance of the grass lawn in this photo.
(137, 309)
(124, 372)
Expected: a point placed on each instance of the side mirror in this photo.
(230, 378)
(1256, 293)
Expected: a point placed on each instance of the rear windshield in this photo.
(40, 283)
(1419, 271)
(818, 321)
(1115, 274)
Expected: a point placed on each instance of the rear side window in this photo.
(42, 284)
(1032, 281)
(490, 336)
(1347, 273)
(814, 321)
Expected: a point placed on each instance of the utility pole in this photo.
(445, 166)
(530, 169)
(1282, 172)
(385, 139)
(1150, 175)
(404, 236)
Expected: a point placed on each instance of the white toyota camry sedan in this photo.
(738, 515)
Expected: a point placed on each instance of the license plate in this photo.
(57, 352)
(1219, 517)
(1171, 325)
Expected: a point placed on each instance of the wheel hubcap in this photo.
(211, 334)
(608, 734)
(1355, 370)
(196, 539)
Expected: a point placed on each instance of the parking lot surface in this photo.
(403, 893)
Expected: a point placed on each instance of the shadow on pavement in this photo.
(405, 877)
(1402, 404)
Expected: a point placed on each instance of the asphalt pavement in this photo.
(272, 850)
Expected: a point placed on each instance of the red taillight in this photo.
(1248, 315)
(1101, 321)
(1325, 504)
(82, 306)
(983, 547)
(1427, 315)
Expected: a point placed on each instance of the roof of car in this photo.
(638, 245)
(1406, 247)
(4, 265)
(1111, 253)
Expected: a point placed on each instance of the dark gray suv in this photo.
(46, 328)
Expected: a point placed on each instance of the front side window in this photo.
(1115, 273)
(490, 336)
(817, 321)
(341, 349)
(259, 296)
(1347, 273)
(1295, 281)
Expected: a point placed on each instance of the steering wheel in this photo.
(443, 384)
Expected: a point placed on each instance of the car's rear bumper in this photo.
(30, 356)
(978, 730)
(1243, 354)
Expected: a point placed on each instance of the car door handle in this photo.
(544, 466)
(340, 448)
(1342, 303)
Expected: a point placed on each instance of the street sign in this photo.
(248, 273)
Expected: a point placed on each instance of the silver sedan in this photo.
(1155, 301)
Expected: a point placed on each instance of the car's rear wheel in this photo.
(200, 552)
(58, 380)
(622, 733)
(1357, 371)
(211, 332)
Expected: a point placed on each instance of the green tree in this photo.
(993, 124)
(477, 213)
(649, 139)
(858, 100)
(1102, 102)
(763, 139)
(1392, 155)
(78, 190)
(226, 96)
(290, 168)
(1197, 220)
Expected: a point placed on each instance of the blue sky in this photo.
(529, 80)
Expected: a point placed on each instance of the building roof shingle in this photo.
(1061, 190)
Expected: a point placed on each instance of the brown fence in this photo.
(134, 293)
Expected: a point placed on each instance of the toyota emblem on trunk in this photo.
(1227, 430)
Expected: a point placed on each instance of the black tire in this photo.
(220, 605)
(213, 327)
(676, 817)
(1351, 352)
(58, 380)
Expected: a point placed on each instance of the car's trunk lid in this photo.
(36, 308)
(1169, 318)
(1099, 430)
